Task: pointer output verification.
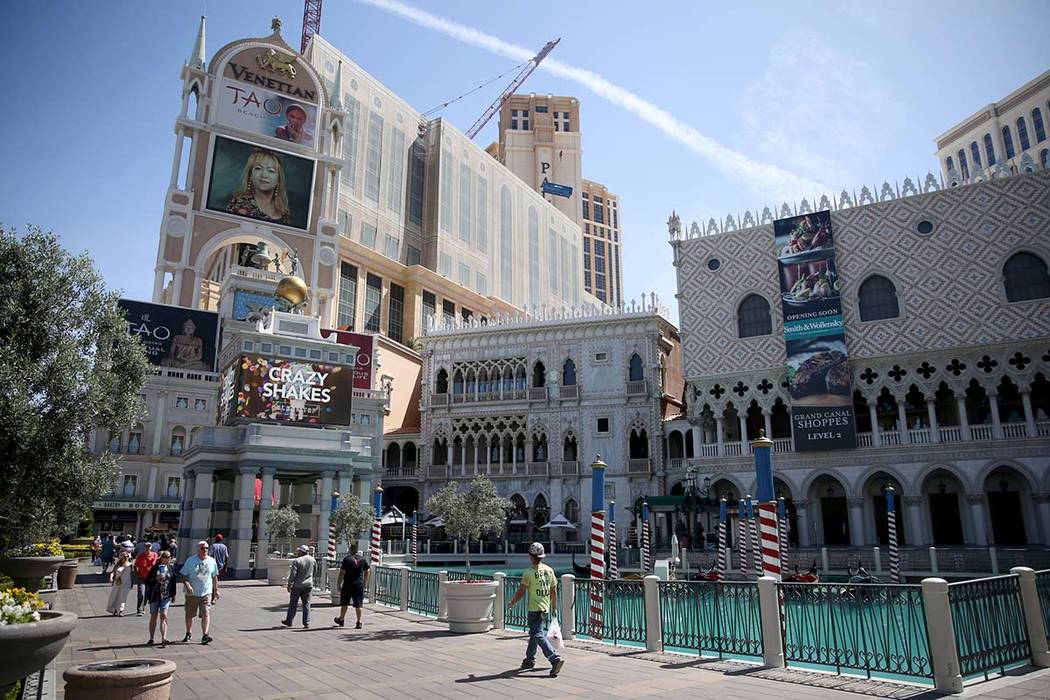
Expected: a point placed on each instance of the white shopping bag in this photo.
(554, 634)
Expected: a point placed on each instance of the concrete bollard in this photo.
(824, 565)
(442, 603)
(371, 592)
(653, 637)
(128, 679)
(1033, 616)
(877, 553)
(934, 568)
(769, 613)
(568, 599)
(993, 560)
(499, 609)
(404, 589)
(939, 625)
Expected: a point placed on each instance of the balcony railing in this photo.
(639, 466)
(439, 399)
(538, 393)
(538, 468)
(470, 396)
(570, 468)
(437, 471)
(569, 392)
(677, 463)
(981, 432)
(636, 388)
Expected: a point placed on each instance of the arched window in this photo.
(949, 164)
(472, 386)
(568, 453)
(539, 448)
(178, 441)
(752, 317)
(975, 152)
(506, 244)
(568, 373)
(1022, 134)
(1025, 277)
(114, 441)
(439, 457)
(457, 383)
(989, 149)
(635, 372)
(1037, 123)
(408, 456)
(442, 381)
(639, 444)
(539, 375)
(571, 511)
(877, 299)
(135, 440)
(519, 378)
(1008, 143)
(1043, 154)
(963, 169)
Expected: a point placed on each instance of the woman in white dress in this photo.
(121, 585)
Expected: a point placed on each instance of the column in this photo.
(448, 462)
(931, 418)
(742, 419)
(802, 518)
(902, 419)
(262, 539)
(326, 515)
(1042, 512)
(873, 415)
(346, 481)
(964, 421)
(186, 513)
(202, 489)
(943, 650)
(997, 426)
(158, 423)
(1029, 416)
(980, 531)
(698, 437)
(240, 537)
(720, 433)
(914, 532)
(767, 417)
(856, 521)
(151, 489)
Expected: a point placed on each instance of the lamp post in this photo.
(699, 499)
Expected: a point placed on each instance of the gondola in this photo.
(810, 576)
(709, 575)
(860, 575)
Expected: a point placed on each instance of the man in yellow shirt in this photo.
(541, 586)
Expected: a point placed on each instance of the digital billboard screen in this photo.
(364, 367)
(288, 391)
(174, 336)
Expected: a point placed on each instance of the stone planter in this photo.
(277, 571)
(469, 605)
(31, 646)
(28, 571)
(130, 679)
(67, 574)
(333, 579)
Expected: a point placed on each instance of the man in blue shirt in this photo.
(220, 553)
(200, 576)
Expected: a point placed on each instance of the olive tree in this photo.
(282, 523)
(469, 514)
(351, 518)
(67, 367)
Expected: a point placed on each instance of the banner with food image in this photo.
(818, 372)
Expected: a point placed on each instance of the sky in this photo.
(705, 108)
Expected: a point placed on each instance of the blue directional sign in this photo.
(556, 189)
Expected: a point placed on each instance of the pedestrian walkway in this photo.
(401, 655)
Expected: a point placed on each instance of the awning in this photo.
(436, 521)
(559, 521)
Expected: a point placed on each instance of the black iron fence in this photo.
(388, 585)
(710, 618)
(623, 610)
(990, 631)
(423, 592)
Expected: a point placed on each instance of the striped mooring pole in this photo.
(614, 566)
(597, 584)
(646, 544)
(331, 526)
(752, 528)
(722, 539)
(377, 530)
(415, 538)
(767, 507)
(742, 539)
(891, 527)
(782, 523)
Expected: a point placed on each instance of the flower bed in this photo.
(40, 549)
(17, 606)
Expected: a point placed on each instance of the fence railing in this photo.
(464, 576)
(515, 616)
(623, 616)
(1042, 586)
(710, 618)
(423, 592)
(388, 585)
(857, 627)
(990, 632)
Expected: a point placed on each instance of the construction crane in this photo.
(514, 85)
(311, 22)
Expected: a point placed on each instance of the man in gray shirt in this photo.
(300, 585)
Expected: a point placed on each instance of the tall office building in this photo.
(540, 142)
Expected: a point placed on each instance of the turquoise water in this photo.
(511, 572)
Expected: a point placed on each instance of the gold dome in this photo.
(292, 290)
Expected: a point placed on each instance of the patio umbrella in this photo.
(394, 516)
(559, 521)
(436, 521)
(519, 521)
(675, 550)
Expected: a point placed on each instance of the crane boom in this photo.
(311, 21)
(514, 85)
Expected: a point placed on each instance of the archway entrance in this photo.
(1004, 487)
(875, 490)
(834, 512)
(943, 492)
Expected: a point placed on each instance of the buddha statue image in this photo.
(187, 350)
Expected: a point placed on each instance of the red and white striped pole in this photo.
(767, 508)
(377, 530)
(614, 566)
(647, 545)
(597, 585)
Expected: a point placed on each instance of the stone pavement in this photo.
(401, 655)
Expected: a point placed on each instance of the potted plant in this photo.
(282, 523)
(29, 564)
(30, 638)
(350, 519)
(467, 516)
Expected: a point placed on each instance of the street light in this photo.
(700, 498)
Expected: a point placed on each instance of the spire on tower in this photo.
(197, 57)
(339, 89)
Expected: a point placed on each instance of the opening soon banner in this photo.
(263, 388)
(818, 372)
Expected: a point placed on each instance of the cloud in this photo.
(767, 180)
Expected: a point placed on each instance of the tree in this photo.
(351, 518)
(67, 366)
(469, 514)
(282, 523)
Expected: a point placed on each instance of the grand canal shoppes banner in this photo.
(818, 372)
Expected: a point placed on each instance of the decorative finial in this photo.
(275, 24)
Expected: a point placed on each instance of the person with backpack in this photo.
(160, 592)
(106, 552)
(353, 577)
(143, 564)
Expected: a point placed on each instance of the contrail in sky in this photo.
(769, 181)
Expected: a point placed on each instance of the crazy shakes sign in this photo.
(817, 363)
(270, 389)
(173, 336)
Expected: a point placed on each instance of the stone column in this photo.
(769, 615)
(240, 539)
(262, 539)
(202, 488)
(767, 417)
(151, 489)
(802, 518)
(720, 433)
(873, 416)
(931, 416)
(1033, 616)
(997, 426)
(964, 420)
(915, 533)
(742, 419)
(186, 513)
(1029, 416)
(945, 661)
(980, 531)
(651, 591)
(326, 515)
(1042, 513)
(902, 418)
(856, 521)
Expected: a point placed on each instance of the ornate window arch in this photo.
(964, 170)
(753, 317)
(1022, 134)
(1025, 277)
(1008, 142)
(877, 299)
(441, 383)
(975, 152)
(989, 149)
(635, 368)
(568, 373)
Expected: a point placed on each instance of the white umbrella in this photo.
(519, 521)
(675, 551)
(394, 516)
(436, 521)
(559, 521)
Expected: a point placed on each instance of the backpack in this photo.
(144, 562)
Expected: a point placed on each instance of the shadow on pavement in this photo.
(503, 675)
(399, 635)
(694, 663)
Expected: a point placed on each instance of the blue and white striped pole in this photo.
(646, 544)
(752, 528)
(614, 566)
(743, 541)
(722, 540)
(782, 526)
(891, 527)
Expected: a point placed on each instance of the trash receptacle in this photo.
(127, 679)
(67, 575)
